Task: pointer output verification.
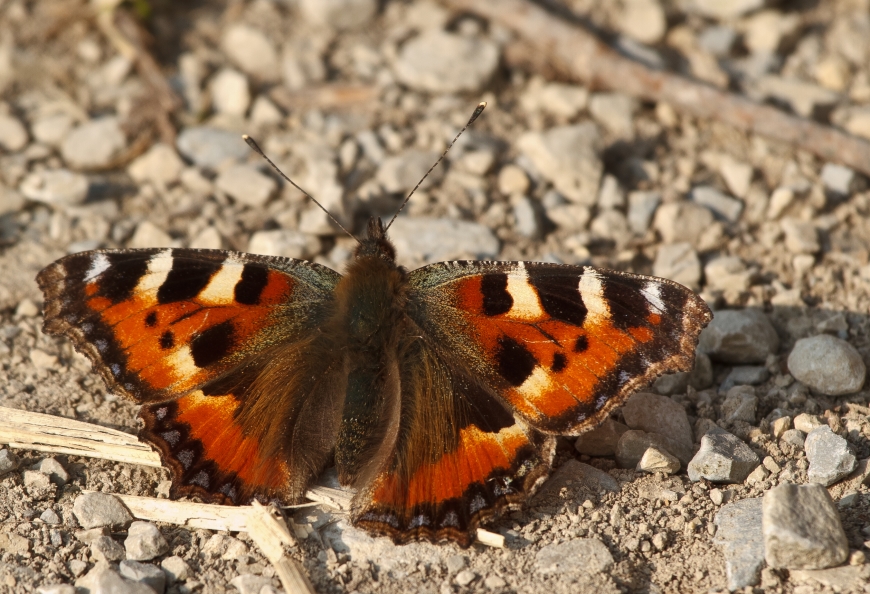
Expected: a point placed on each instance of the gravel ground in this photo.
(749, 472)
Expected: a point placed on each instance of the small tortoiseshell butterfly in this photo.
(436, 393)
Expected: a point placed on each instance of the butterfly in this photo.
(436, 393)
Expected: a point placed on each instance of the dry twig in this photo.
(579, 54)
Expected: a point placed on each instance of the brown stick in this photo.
(581, 55)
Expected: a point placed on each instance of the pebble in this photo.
(105, 549)
(400, 173)
(802, 528)
(456, 563)
(102, 579)
(8, 461)
(764, 31)
(442, 62)
(757, 476)
(751, 375)
(52, 129)
(728, 273)
(465, 577)
(723, 206)
(740, 404)
(828, 365)
(93, 144)
(144, 541)
(53, 469)
(806, 422)
(149, 235)
(724, 10)
(737, 176)
(50, 516)
(230, 94)
(580, 555)
(93, 510)
(779, 426)
(573, 472)
(435, 240)
(610, 195)
(780, 200)
(615, 112)
(207, 239)
(719, 40)
(682, 221)
(160, 165)
(722, 458)
(210, 147)
(36, 480)
(253, 52)
(634, 443)
(569, 217)
(658, 414)
(176, 569)
(494, 582)
(13, 134)
(678, 262)
(830, 456)
(803, 97)
(643, 20)
(265, 113)
(838, 179)
(837, 579)
(559, 99)
(641, 208)
(739, 336)
(512, 180)
(795, 437)
(801, 237)
(567, 156)
(740, 536)
(656, 460)
(58, 187)
(286, 243)
(251, 584)
(339, 14)
(611, 225)
(602, 440)
(246, 185)
(57, 588)
(528, 221)
(144, 573)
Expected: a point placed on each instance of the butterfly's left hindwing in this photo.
(560, 345)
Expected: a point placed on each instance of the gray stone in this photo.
(722, 458)
(838, 179)
(176, 569)
(573, 473)
(144, 573)
(13, 134)
(802, 528)
(287, 243)
(723, 10)
(160, 165)
(740, 405)
(50, 516)
(51, 129)
(803, 97)
(58, 187)
(35, 480)
(252, 51)
(210, 147)
(230, 94)
(795, 437)
(8, 461)
(723, 206)
(682, 221)
(633, 443)
(104, 580)
(246, 185)
(751, 375)
(614, 111)
(528, 222)
(400, 173)
(801, 237)
(567, 156)
(94, 510)
(581, 555)
(434, 240)
(94, 144)
(830, 456)
(443, 62)
(739, 535)
(611, 225)
(641, 208)
(55, 471)
(728, 273)
(465, 577)
(718, 40)
(656, 460)
(828, 365)
(105, 549)
(250, 584)
(569, 217)
(661, 415)
(610, 195)
(678, 262)
(456, 563)
(602, 440)
(144, 541)
(339, 14)
(739, 336)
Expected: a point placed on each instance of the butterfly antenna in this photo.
(256, 148)
(477, 111)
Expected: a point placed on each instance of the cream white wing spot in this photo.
(592, 291)
(526, 303)
(221, 288)
(652, 292)
(182, 364)
(159, 266)
(539, 382)
(99, 265)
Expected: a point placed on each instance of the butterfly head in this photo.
(376, 243)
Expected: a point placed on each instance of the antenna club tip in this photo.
(481, 105)
(245, 137)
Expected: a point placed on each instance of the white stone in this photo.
(287, 243)
(229, 93)
(828, 365)
(246, 185)
(643, 20)
(678, 262)
(442, 62)
(780, 199)
(148, 235)
(265, 113)
(339, 14)
(567, 156)
(13, 134)
(559, 99)
(615, 112)
(252, 51)
(656, 460)
(51, 129)
(724, 9)
(801, 237)
(765, 30)
(94, 143)
(160, 165)
(207, 239)
(737, 175)
(420, 239)
(512, 180)
(804, 97)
